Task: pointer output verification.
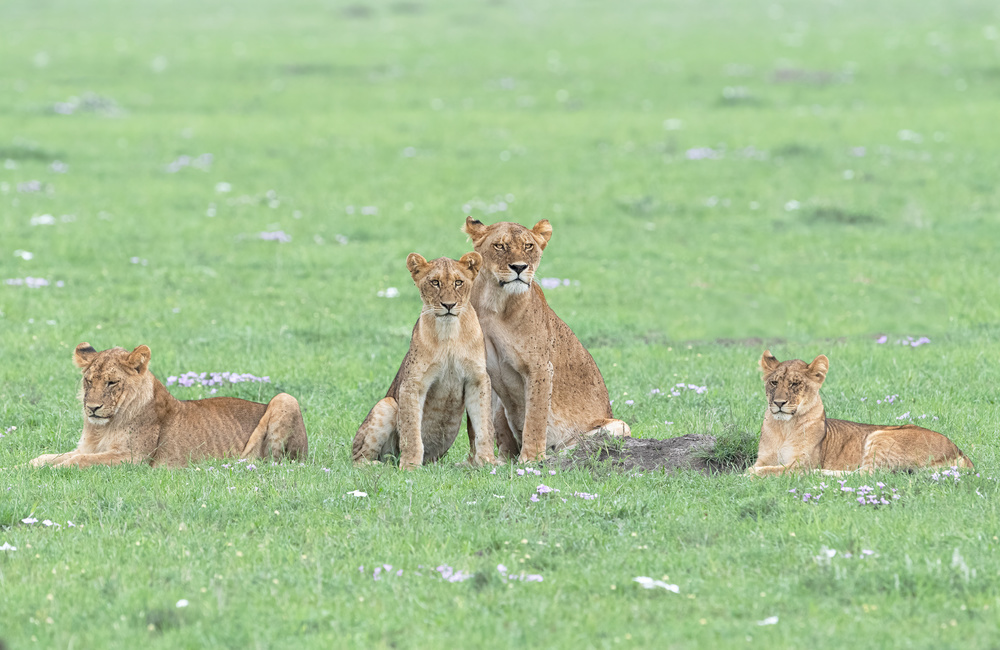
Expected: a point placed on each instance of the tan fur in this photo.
(442, 376)
(797, 435)
(130, 417)
(548, 392)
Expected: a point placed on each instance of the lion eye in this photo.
(528, 247)
(435, 283)
(498, 246)
(113, 383)
(772, 383)
(458, 283)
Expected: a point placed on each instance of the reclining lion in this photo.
(130, 417)
(548, 392)
(797, 436)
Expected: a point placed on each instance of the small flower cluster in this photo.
(702, 153)
(387, 568)
(89, 103)
(202, 162)
(946, 474)
(499, 204)
(649, 583)
(827, 554)
(46, 522)
(189, 379)
(866, 495)
(554, 283)
(8, 431)
(682, 386)
(391, 292)
(277, 235)
(909, 341)
(542, 489)
(511, 577)
(30, 187)
(31, 283)
(7, 547)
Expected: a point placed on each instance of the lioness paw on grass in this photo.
(130, 417)
(442, 376)
(797, 436)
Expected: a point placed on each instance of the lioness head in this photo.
(113, 380)
(510, 251)
(444, 284)
(792, 385)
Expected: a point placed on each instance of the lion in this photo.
(130, 417)
(443, 375)
(548, 392)
(797, 436)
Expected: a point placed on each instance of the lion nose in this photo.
(780, 402)
(518, 268)
(448, 305)
(92, 409)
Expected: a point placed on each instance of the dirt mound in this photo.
(690, 451)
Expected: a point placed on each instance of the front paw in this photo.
(480, 460)
(529, 458)
(69, 461)
(45, 459)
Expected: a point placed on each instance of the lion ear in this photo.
(819, 367)
(472, 261)
(543, 232)
(84, 355)
(139, 359)
(476, 230)
(415, 262)
(768, 362)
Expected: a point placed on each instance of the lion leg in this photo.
(47, 459)
(374, 436)
(83, 461)
(506, 441)
(881, 451)
(280, 432)
(481, 436)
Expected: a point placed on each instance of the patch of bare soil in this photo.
(690, 451)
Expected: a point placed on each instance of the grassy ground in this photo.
(720, 179)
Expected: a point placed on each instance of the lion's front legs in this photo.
(83, 461)
(536, 416)
(411, 415)
(481, 436)
(51, 459)
(280, 431)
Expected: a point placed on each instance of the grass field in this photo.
(721, 178)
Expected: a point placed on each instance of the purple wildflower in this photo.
(277, 235)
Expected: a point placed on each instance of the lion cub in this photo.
(442, 375)
(797, 435)
(130, 417)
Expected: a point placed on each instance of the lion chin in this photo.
(784, 417)
(98, 421)
(516, 287)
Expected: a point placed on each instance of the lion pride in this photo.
(548, 392)
(130, 417)
(797, 435)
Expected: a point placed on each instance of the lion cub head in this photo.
(792, 385)
(115, 381)
(444, 284)
(510, 251)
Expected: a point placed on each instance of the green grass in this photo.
(687, 270)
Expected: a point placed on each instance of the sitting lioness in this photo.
(548, 390)
(130, 417)
(797, 436)
(442, 376)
